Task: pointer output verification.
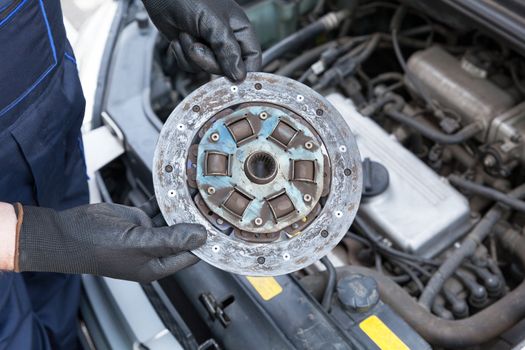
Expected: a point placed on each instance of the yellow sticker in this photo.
(380, 334)
(267, 287)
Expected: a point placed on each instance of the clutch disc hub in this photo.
(267, 165)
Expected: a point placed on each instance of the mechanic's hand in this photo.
(103, 239)
(211, 35)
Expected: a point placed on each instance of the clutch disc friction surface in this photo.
(268, 166)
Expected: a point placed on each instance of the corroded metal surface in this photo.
(334, 156)
(227, 164)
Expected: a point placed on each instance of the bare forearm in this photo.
(8, 222)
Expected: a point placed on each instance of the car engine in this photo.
(437, 108)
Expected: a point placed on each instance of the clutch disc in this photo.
(268, 166)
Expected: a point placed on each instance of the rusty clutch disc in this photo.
(268, 166)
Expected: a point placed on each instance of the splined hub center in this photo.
(260, 167)
(263, 169)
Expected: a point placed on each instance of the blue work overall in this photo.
(41, 163)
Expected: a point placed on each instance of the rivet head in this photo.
(215, 137)
(258, 221)
(261, 260)
(307, 197)
(168, 168)
(348, 172)
(324, 233)
(196, 108)
(211, 190)
(263, 115)
(258, 86)
(308, 145)
(319, 112)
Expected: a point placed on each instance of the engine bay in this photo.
(437, 109)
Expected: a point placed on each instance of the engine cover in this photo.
(268, 166)
(419, 211)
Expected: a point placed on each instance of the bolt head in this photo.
(489, 161)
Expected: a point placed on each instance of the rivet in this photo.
(307, 197)
(196, 109)
(263, 115)
(286, 256)
(172, 193)
(308, 145)
(324, 233)
(300, 98)
(261, 260)
(258, 221)
(348, 172)
(234, 89)
(168, 168)
(319, 112)
(342, 148)
(219, 221)
(211, 190)
(258, 86)
(215, 137)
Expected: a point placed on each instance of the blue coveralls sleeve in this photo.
(41, 111)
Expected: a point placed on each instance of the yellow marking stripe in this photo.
(267, 287)
(381, 335)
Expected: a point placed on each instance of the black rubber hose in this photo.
(326, 23)
(435, 135)
(370, 234)
(487, 192)
(467, 249)
(477, 329)
(330, 285)
(368, 48)
(304, 60)
(395, 26)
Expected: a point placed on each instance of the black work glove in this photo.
(103, 239)
(210, 35)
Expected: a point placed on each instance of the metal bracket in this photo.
(216, 309)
